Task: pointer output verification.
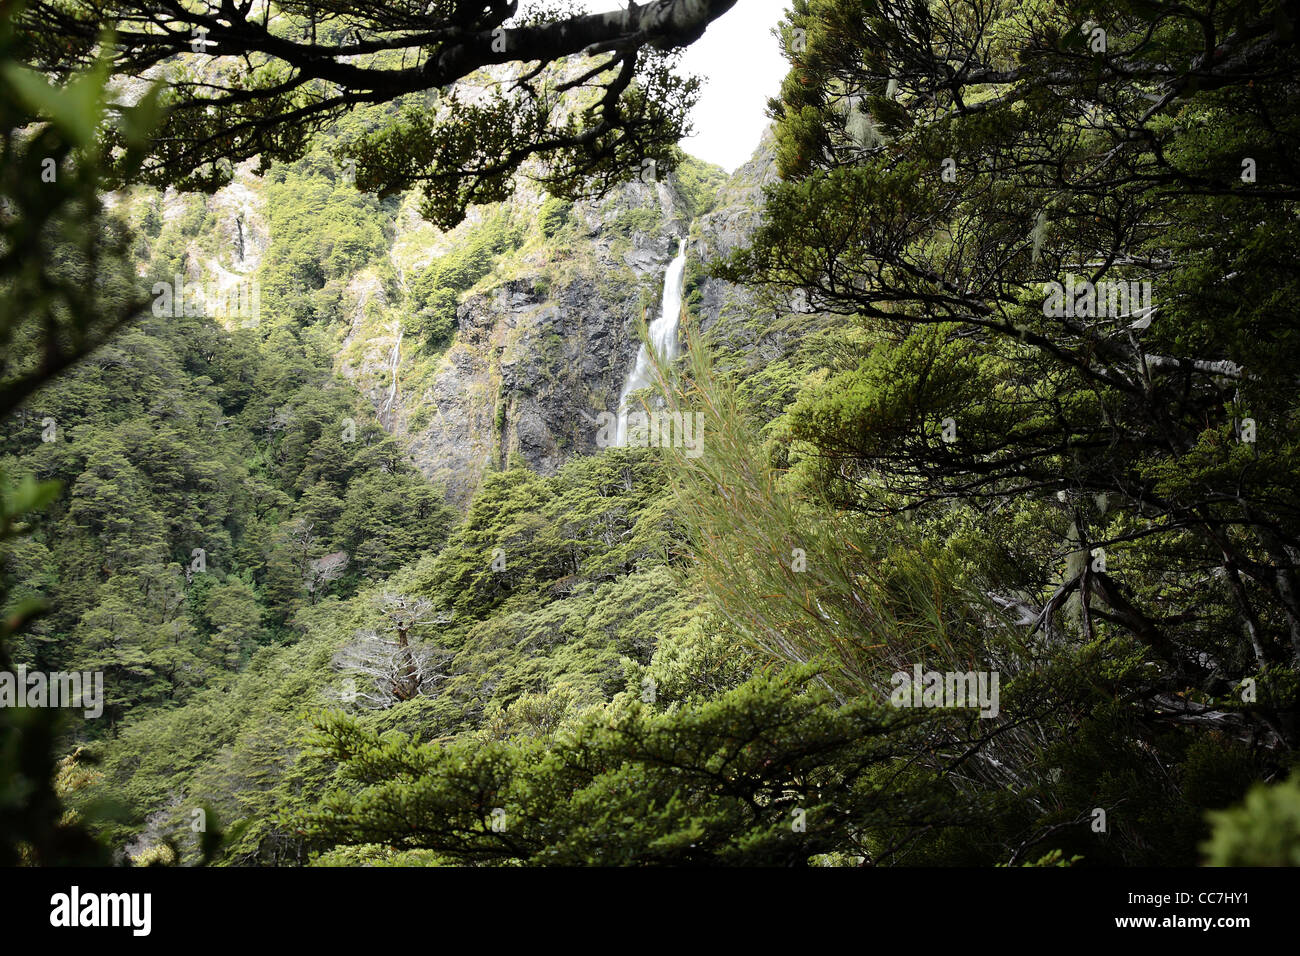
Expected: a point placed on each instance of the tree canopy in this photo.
(257, 80)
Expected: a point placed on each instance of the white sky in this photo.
(741, 65)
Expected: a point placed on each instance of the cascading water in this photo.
(392, 388)
(663, 337)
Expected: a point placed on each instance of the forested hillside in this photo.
(986, 377)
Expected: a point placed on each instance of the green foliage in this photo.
(967, 393)
(322, 233)
(699, 184)
(1263, 831)
(34, 828)
(664, 659)
(632, 221)
(1087, 477)
(390, 79)
(766, 774)
(63, 291)
(235, 749)
(553, 216)
(580, 605)
(65, 280)
(207, 480)
(435, 291)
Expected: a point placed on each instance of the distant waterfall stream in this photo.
(392, 388)
(663, 337)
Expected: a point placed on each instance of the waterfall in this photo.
(663, 336)
(392, 388)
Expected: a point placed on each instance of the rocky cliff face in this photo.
(744, 326)
(724, 307)
(545, 344)
(544, 347)
(543, 338)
